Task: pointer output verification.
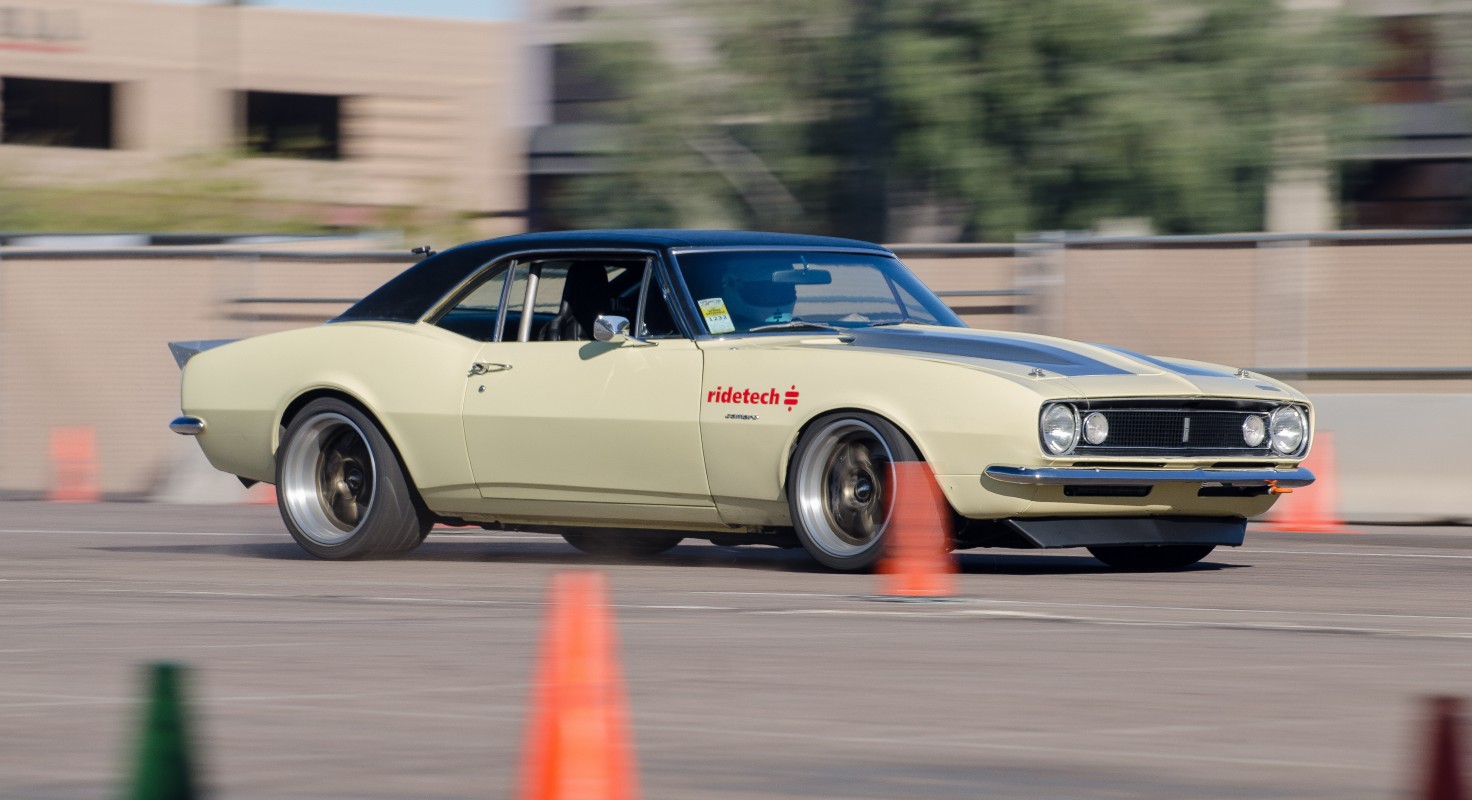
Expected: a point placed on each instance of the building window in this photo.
(289, 125)
(1407, 72)
(582, 88)
(1409, 194)
(54, 113)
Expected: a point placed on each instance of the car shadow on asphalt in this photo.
(552, 553)
(687, 556)
(695, 553)
(276, 551)
(1023, 562)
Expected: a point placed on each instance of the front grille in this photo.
(1207, 428)
(1173, 430)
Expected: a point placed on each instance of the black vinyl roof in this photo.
(672, 237)
(410, 294)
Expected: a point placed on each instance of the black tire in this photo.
(837, 487)
(1152, 557)
(341, 489)
(621, 543)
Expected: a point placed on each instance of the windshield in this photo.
(783, 292)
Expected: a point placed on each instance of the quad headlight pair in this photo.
(1062, 427)
(1285, 428)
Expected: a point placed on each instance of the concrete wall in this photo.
(1360, 306)
(1401, 457)
(82, 341)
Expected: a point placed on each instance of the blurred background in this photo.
(1281, 185)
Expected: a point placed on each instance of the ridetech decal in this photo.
(752, 397)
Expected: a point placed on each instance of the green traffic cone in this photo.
(165, 769)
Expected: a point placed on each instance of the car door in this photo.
(554, 418)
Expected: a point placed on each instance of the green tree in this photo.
(997, 117)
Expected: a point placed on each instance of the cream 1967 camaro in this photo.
(628, 389)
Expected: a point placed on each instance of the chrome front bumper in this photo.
(1086, 476)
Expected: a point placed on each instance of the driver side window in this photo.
(569, 294)
(658, 321)
(575, 293)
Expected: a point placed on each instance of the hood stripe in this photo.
(1178, 369)
(974, 345)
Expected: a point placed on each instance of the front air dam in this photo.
(1052, 532)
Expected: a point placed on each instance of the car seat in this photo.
(585, 296)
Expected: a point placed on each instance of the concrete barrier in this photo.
(1401, 457)
(83, 335)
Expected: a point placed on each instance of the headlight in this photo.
(1288, 427)
(1096, 428)
(1254, 430)
(1060, 428)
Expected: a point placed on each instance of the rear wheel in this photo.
(1152, 557)
(340, 487)
(838, 487)
(619, 543)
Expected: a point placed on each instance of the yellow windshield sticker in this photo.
(716, 318)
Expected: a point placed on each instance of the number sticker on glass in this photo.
(716, 318)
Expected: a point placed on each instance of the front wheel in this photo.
(839, 486)
(1152, 557)
(340, 487)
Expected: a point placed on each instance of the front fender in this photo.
(960, 418)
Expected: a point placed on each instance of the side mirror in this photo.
(614, 330)
(611, 329)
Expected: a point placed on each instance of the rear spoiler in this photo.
(183, 351)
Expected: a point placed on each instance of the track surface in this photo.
(1290, 668)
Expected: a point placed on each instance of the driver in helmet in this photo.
(754, 299)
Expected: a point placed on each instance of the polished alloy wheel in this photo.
(328, 478)
(841, 487)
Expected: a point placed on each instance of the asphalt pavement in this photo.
(1293, 667)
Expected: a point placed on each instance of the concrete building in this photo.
(346, 113)
(351, 114)
(1415, 171)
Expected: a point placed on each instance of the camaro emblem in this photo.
(1186, 431)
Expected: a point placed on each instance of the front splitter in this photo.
(1050, 532)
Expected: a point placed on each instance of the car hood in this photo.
(1062, 365)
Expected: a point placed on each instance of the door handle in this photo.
(487, 367)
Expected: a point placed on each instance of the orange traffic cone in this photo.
(578, 737)
(1444, 777)
(917, 561)
(74, 471)
(261, 494)
(1313, 508)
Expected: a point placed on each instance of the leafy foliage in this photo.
(994, 116)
